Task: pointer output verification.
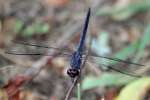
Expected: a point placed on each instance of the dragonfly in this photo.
(77, 57)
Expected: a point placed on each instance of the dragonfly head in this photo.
(73, 72)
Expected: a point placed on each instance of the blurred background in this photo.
(119, 28)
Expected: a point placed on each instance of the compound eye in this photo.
(72, 72)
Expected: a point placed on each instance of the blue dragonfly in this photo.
(78, 55)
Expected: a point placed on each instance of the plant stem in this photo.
(78, 91)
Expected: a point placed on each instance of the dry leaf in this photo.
(12, 88)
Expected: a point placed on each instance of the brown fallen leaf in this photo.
(12, 87)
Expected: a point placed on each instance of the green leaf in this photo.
(28, 32)
(36, 28)
(135, 90)
(107, 79)
(124, 13)
(145, 40)
(42, 28)
(130, 10)
(17, 26)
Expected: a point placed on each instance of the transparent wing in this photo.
(115, 59)
(37, 53)
(65, 52)
(121, 67)
(119, 71)
(107, 66)
(42, 46)
(45, 52)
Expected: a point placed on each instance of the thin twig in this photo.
(71, 88)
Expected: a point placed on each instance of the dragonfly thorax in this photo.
(75, 64)
(76, 60)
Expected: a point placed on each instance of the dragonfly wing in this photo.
(119, 71)
(42, 46)
(39, 50)
(126, 70)
(115, 59)
(37, 54)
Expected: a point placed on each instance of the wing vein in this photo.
(36, 45)
(118, 60)
(117, 70)
(35, 54)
